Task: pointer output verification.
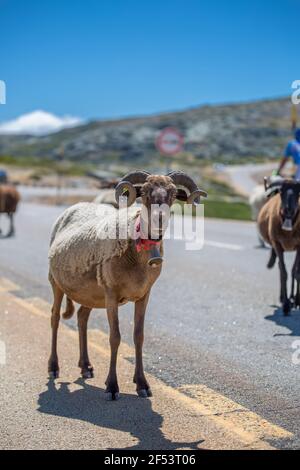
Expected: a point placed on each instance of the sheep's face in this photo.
(289, 194)
(158, 194)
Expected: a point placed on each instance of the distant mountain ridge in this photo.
(211, 132)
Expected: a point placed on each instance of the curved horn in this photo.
(181, 178)
(136, 177)
(194, 197)
(125, 186)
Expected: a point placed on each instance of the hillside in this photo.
(226, 133)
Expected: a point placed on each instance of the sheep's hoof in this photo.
(53, 374)
(286, 307)
(144, 393)
(112, 396)
(87, 373)
(297, 302)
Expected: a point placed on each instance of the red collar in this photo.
(142, 243)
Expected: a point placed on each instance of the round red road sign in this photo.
(169, 141)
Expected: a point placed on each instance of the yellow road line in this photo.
(7, 286)
(30, 307)
(234, 414)
(249, 427)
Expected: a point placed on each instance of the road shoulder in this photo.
(71, 413)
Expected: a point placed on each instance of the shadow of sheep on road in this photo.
(129, 414)
(292, 321)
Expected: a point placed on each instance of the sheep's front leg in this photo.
(112, 387)
(286, 304)
(142, 386)
(87, 371)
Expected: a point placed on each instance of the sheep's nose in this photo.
(159, 214)
(287, 225)
(160, 222)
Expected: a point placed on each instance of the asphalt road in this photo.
(213, 317)
(241, 176)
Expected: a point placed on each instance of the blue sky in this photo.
(109, 58)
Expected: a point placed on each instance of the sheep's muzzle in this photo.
(155, 258)
(146, 244)
(287, 225)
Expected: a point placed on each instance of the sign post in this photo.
(169, 142)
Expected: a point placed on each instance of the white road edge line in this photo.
(228, 246)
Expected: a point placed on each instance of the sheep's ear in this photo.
(181, 195)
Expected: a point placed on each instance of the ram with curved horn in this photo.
(97, 270)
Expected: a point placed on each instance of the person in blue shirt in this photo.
(3, 176)
(292, 150)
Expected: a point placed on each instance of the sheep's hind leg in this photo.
(272, 259)
(297, 296)
(87, 370)
(112, 387)
(53, 367)
(142, 386)
(286, 304)
(292, 296)
(261, 242)
(296, 278)
(11, 231)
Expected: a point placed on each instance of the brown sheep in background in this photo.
(279, 225)
(9, 199)
(260, 196)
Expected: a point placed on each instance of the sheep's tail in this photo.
(272, 259)
(70, 309)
